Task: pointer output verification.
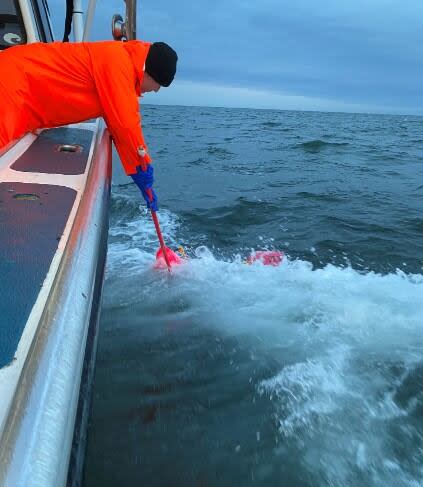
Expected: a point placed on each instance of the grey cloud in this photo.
(351, 51)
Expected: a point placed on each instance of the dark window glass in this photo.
(12, 30)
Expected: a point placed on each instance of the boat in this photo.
(54, 206)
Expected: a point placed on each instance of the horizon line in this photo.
(385, 114)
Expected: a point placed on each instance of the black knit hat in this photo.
(161, 63)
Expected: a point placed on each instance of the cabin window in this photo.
(12, 30)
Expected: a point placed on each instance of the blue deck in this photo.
(45, 156)
(32, 219)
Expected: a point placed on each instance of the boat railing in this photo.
(121, 29)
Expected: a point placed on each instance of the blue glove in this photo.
(144, 180)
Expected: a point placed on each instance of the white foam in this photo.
(346, 326)
(368, 307)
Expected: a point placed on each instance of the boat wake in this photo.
(343, 391)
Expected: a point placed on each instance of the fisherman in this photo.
(48, 85)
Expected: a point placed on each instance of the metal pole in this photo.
(78, 20)
(89, 20)
(131, 19)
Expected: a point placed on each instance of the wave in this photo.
(237, 214)
(323, 197)
(270, 124)
(220, 152)
(200, 161)
(317, 145)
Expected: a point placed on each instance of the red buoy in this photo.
(172, 257)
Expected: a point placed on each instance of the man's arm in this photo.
(114, 79)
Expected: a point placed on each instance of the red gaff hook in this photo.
(158, 231)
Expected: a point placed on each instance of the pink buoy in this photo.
(172, 257)
(266, 257)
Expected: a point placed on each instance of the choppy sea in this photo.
(227, 374)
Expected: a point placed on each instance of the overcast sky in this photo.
(334, 55)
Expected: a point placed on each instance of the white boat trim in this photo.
(40, 387)
(9, 375)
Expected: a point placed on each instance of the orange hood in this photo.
(138, 51)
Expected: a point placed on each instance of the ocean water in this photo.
(227, 374)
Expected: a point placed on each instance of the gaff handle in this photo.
(158, 231)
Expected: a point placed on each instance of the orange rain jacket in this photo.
(46, 85)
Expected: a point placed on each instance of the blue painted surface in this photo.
(32, 219)
(44, 155)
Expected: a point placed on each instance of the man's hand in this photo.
(144, 180)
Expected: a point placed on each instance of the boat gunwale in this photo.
(78, 234)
